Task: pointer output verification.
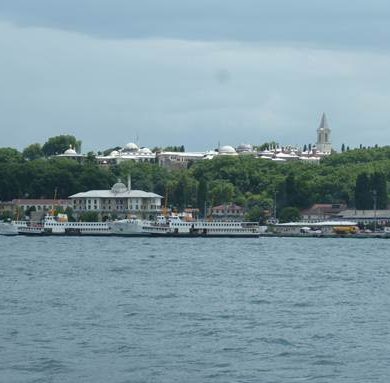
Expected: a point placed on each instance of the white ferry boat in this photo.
(59, 225)
(130, 227)
(8, 228)
(174, 226)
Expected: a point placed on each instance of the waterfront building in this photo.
(40, 205)
(228, 211)
(35, 208)
(323, 211)
(120, 201)
(365, 217)
(7, 207)
(320, 228)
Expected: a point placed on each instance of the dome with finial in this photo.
(131, 147)
(70, 151)
(119, 187)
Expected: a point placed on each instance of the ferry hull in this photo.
(204, 235)
(176, 228)
(8, 229)
(53, 227)
(62, 234)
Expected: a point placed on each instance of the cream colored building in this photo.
(119, 200)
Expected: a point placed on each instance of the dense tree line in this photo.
(350, 177)
(371, 191)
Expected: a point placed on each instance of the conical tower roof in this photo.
(324, 123)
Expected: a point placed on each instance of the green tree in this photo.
(89, 216)
(289, 214)
(258, 213)
(8, 155)
(363, 200)
(379, 185)
(254, 214)
(221, 192)
(202, 197)
(6, 215)
(183, 191)
(69, 212)
(106, 152)
(267, 145)
(91, 158)
(261, 201)
(179, 148)
(58, 145)
(294, 193)
(33, 152)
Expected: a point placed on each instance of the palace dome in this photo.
(227, 150)
(245, 147)
(145, 151)
(119, 187)
(131, 146)
(70, 152)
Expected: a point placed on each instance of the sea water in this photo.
(76, 309)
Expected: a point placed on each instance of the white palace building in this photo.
(177, 160)
(119, 200)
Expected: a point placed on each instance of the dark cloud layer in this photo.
(332, 22)
(193, 72)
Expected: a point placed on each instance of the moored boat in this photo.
(174, 226)
(8, 228)
(59, 225)
(129, 227)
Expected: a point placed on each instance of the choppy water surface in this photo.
(194, 310)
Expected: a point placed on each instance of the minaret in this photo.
(129, 182)
(324, 144)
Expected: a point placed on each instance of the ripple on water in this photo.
(277, 341)
(260, 302)
(161, 310)
(43, 365)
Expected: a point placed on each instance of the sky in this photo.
(194, 73)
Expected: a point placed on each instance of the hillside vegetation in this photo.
(348, 177)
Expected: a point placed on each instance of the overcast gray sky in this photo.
(194, 72)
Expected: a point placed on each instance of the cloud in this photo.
(331, 23)
(165, 91)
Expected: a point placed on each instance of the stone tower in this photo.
(324, 144)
